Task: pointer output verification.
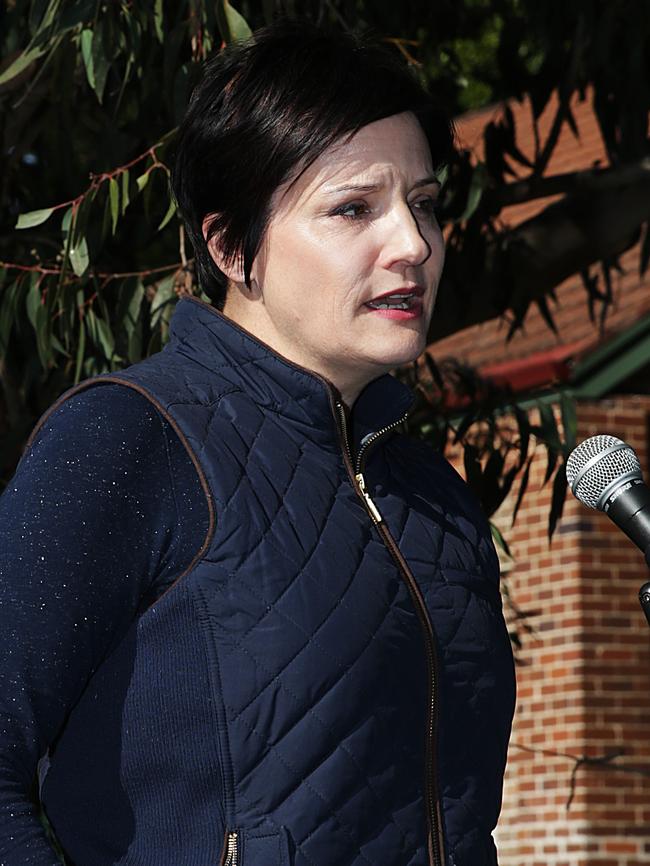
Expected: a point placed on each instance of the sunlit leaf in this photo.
(114, 194)
(232, 24)
(171, 210)
(66, 221)
(125, 191)
(87, 55)
(142, 180)
(34, 218)
(79, 258)
(158, 20)
(22, 62)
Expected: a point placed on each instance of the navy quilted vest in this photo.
(333, 673)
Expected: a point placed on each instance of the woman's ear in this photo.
(234, 270)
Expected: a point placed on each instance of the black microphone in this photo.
(604, 473)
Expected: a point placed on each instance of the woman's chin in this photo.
(404, 351)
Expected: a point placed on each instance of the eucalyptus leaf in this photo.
(33, 300)
(34, 218)
(87, 55)
(114, 195)
(134, 348)
(233, 25)
(82, 216)
(56, 344)
(22, 62)
(163, 299)
(39, 13)
(125, 191)
(66, 221)
(43, 344)
(81, 350)
(142, 180)
(79, 258)
(171, 210)
(105, 338)
(101, 63)
(132, 313)
(158, 20)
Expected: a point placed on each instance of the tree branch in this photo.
(519, 266)
(584, 181)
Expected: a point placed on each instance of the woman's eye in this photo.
(427, 205)
(353, 210)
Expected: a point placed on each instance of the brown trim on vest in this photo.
(116, 380)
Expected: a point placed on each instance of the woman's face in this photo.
(346, 278)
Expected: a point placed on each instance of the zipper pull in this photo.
(231, 858)
(370, 505)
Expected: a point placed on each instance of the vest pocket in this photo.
(258, 847)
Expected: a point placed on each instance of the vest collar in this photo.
(206, 336)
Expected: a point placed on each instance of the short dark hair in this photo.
(267, 108)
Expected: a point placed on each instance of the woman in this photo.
(249, 621)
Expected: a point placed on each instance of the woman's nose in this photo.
(405, 242)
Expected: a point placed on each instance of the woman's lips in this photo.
(414, 310)
(402, 303)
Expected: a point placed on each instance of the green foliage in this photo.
(459, 411)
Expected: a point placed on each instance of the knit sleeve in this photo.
(105, 511)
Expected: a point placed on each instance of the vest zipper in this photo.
(371, 440)
(436, 844)
(231, 852)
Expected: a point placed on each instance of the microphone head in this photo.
(598, 467)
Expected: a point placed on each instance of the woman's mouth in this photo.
(398, 305)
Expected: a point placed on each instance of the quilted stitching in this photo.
(311, 625)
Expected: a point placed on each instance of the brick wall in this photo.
(583, 676)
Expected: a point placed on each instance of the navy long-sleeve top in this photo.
(104, 512)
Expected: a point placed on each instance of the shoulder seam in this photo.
(118, 380)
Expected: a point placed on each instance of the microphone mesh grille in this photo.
(601, 473)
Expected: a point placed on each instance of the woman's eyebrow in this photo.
(373, 187)
(353, 187)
